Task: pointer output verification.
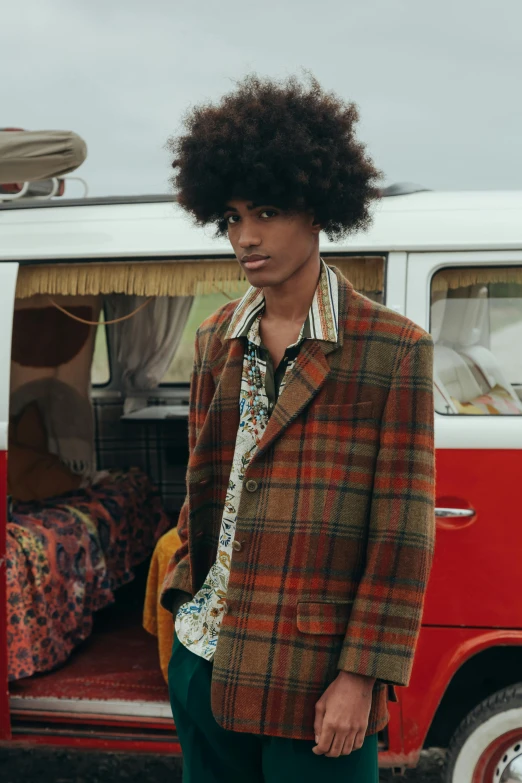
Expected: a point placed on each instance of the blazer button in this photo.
(237, 546)
(251, 485)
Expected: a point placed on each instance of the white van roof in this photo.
(155, 227)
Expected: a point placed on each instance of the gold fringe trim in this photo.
(365, 273)
(463, 277)
(169, 278)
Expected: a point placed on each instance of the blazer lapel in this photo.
(308, 375)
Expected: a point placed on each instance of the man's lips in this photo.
(254, 261)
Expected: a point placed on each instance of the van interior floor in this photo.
(118, 663)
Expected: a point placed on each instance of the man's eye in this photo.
(230, 219)
(269, 212)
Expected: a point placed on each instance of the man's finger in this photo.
(348, 744)
(359, 740)
(337, 745)
(325, 740)
(319, 717)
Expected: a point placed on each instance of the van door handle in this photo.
(462, 513)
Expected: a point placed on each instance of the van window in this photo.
(203, 306)
(100, 371)
(476, 325)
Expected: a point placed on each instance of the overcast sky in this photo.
(437, 81)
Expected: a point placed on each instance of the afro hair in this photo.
(285, 144)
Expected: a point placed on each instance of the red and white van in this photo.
(451, 262)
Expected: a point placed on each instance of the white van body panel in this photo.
(474, 432)
(420, 221)
(420, 233)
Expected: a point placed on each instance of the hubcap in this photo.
(509, 768)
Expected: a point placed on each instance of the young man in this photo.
(308, 525)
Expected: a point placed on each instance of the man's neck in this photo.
(292, 300)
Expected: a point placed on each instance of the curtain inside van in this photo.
(145, 344)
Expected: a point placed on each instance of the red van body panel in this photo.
(463, 616)
(469, 605)
(474, 581)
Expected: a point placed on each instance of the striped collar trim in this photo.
(322, 321)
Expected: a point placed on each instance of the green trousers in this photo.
(212, 754)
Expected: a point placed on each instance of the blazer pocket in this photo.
(344, 412)
(323, 617)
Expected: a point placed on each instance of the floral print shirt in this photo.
(198, 621)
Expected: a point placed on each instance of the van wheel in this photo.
(487, 746)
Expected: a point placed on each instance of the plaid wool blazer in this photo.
(336, 519)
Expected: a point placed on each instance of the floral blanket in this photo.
(65, 558)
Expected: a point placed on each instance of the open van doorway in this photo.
(84, 516)
(97, 455)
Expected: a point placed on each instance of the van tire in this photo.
(487, 740)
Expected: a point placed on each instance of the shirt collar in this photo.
(321, 323)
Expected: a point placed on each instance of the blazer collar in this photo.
(322, 321)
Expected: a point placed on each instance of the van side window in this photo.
(202, 306)
(476, 325)
(100, 370)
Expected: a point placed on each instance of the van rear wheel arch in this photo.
(488, 743)
(480, 676)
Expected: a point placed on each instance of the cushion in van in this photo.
(497, 401)
(33, 473)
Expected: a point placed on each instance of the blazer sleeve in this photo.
(178, 577)
(385, 621)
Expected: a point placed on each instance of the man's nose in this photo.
(248, 237)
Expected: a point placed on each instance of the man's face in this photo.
(271, 245)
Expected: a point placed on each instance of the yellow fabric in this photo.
(157, 620)
(171, 277)
(497, 401)
(462, 277)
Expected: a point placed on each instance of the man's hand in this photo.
(341, 715)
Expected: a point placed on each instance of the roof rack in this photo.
(41, 190)
(402, 189)
(92, 201)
